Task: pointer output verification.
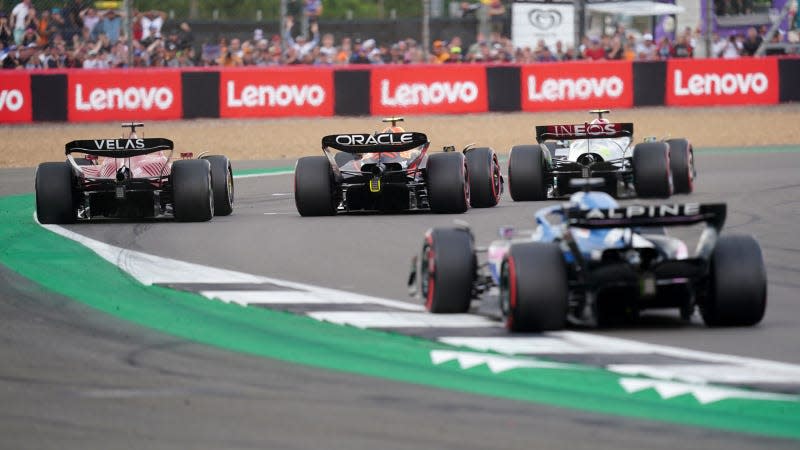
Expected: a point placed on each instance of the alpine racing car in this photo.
(392, 171)
(599, 149)
(593, 262)
(132, 177)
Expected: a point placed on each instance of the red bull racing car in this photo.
(392, 171)
(599, 149)
(132, 177)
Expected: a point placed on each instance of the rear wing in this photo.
(583, 131)
(648, 215)
(119, 148)
(374, 143)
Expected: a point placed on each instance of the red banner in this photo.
(744, 81)
(276, 92)
(95, 95)
(577, 85)
(15, 97)
(428, 89)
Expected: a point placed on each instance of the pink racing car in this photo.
(132, 177)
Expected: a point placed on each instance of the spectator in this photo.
(664, 48)
(594, 51)
(751, 42)
(110, 25)
(299, 44)
(185, 36)
(682, 48)
(311, 12)
(151, 22)
(327, 52)
(615, 51)
(30, 38)
(646, 48)
(19, 15)
(6, 33)
(90, 20)
(734, 47)
(497, 13)
(439, 54)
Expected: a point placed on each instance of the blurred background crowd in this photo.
(52, 34)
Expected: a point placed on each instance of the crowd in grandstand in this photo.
(81, 36)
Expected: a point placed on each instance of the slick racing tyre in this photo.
(221, 183)
(651, 170)
(526, 165)
(447, 270)
(314, 193)
(681, 164)
(55, 196)
(448, 183)
(485, 179)
(738, 284)
(192, 194)
(533, 287)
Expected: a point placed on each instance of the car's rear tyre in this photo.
(447, 271)
(681, 164)
(448, 183)
(314, 192)
(651, 170)
(533, 287)
(485, 179)
(55, 195)
(221, 183)
(526, 165)
(192, 194)
(738, 284)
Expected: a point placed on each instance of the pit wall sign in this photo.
(577, 85)
(99, 95)
(15, 98)
(708, 82)
(284, 92)
(458, 88)
(535, 21)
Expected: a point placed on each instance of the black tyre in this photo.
(533, 287)
(485, 179)
(55, 195)
(314, 189)
(192, 194)
(343, 158)
(651, 170)
(447, 270)
(681, 164)
(738, 284)
(448, 183)
(221, 183)
(526, 165)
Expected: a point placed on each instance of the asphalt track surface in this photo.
(75, 378)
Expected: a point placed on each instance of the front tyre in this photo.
(55, 196)
(738, 284)
(221, 183)
(314, 188)
(533, 287)
(681, 164)
(448, 183)
(651, 170)
(526, 180)
(485, 179)
(447, 270)
(192, 194)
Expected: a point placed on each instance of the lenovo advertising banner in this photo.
(577, 85)
(705, 82)
(278, 92)
(428, 89)
(15, 97)
(95, 95)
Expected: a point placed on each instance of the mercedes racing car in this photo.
(132, 177)
(599, 149)
(392, 171)
(593, 262)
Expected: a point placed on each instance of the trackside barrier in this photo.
(254, 92)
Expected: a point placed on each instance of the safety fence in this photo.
(163, 94)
